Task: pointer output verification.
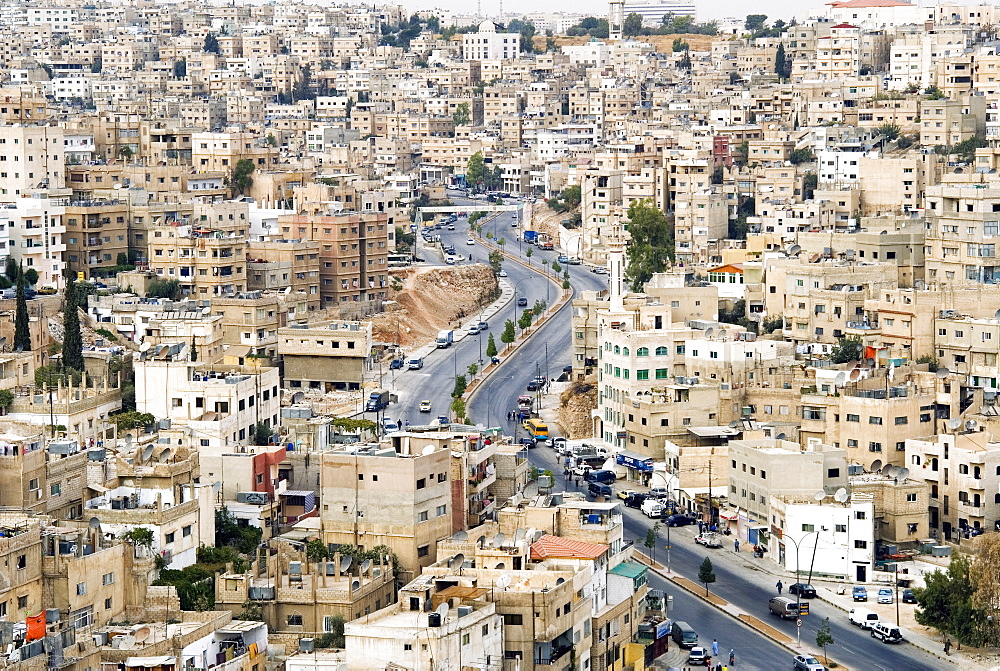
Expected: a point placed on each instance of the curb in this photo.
(646, 561)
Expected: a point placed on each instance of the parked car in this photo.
(652, 508)
(709, 540)
(443, 419)
(522, 301)
(885, 595)
(396, 364)
(502, 273)
(415, 364)
(625, 493)
(534, 385)
(807, 663)
(680, 520)
(635, 499)
(887, 632)
(862, 617)
(698, 657)
(859, 593)
(683, 634)
(425, 406)
(805, 590)
(603, 475)
(474, 329)
(483, 326)
(558, 443)
(659, 492)
(908, 596)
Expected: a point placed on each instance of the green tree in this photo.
(211, 44)
(652, 244)
(228, 532)
(945, 602)
(472, 369)
(6, 399)
(804, 155)
(139, 537)
(262, 434)
(180, 68)
(706, 575)
(810, 182)
(755, 22)
(491, 347)
(930, 360)
(524, 321)
(824, 637)
(496, 260)
(889, 130)
(72, 354)
(316, 550)
(782, 63)
(475, 170)
(933, 93)
(632, 25)
(529, 252)
(509, 335)
(460, 386)
(538, 308)
(741, 153)
(458, 408)
(22, 328)
(462, 115)
(242, 180)
(124, 421)
(11, 270)
(652, 535)
(163, 288)
(679, 45)
(848, 348)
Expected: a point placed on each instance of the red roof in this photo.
(549, 546)
(852, 4)
(845, 25)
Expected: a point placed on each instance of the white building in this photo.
(872, 14)
(489, 45)
(36, 231)
(653, 11)
(31, 157)
(835, 540)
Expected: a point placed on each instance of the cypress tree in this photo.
(22, 331)
(72, 337)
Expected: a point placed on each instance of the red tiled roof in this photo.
(845, 25)
(562, 548)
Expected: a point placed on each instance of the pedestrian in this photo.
(736, 545)
(947, 646)
(732, 657)
(779, 586)
(715, 647)
(577, 481)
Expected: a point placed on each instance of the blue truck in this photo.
(531, 237)
(377, 400)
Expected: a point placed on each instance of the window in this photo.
(108, 579)
(911, 498)
(808, 527)
(874, 447)
(853, 418)
(662, 351)
(423, 550)
(22, 602)
(107, 603)
(441, 510)
(833, 472)
(422, 516)
(170, 537)
(642, 351)
(421, 483)
(186, 531)
(81, 588)
(861, 545)
(642, 374)
(902, 420)
(294, 620)
(859, 514)
(840, 528)
(874, 420)
(512, 620)
(22, 561)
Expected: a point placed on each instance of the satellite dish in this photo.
(94, 523)
(903, 474)
(996, 315)
(355, 585)
(709, 331)
(460, 536)
(852, 364)
(365, 565)
(870, 362)
(841, 379)
(499, 539)
(722, 333)
(481, 541)
(428, 605)
(3, 341)
(503, 582)
(519, 535)
(942, 372)
(147, 452)
(442, 610)
(297, 397)
(877, 465)
(164, 455)
(841, 495)
(792, 250)
(890, 471)
(532, 533)
(970, 425)
(820, 495)
(780, 436)
(855, 374)
(141, 634)
(345, 562)
(145, 346)
(501, 566)
(128, 440)
(954, 423)
(428, 449)
(127, 642)
(206, 311)
(560, 581)
(287, 290)
(455, 562)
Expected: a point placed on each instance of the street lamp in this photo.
(798, 591)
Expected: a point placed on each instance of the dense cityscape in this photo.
(346, 337)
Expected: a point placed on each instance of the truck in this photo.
(377, 400)
(524, 405)
(445, 338)
(531, 237)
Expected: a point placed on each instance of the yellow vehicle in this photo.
(425, 406)
(537, 429)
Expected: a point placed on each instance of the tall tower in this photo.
(616, 18)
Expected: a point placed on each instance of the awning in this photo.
(729, 516)
(98, 488)
(238, 350)
(712, 431)
(150, 661)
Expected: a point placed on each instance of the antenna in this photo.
(709, 331)
(164, 455)
(147, 452)
(145, 346)
(365, 565)
(970, 425)
(428, 605)
(142, 633)
(722, 334)
(94, 523)
(877, 465)
(841, 379)
(519, 535)
(460, 536)
(855, 374)
(442, 610)
(481, 541)
(792, 250)
(455, 563)
(428, 449)
(902, 475)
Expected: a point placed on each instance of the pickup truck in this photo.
(709, 540)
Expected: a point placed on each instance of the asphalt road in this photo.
(742, 582)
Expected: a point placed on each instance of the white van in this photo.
(652, 508)
(862, 617)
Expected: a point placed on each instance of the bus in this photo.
(398, 260)
(537, 429)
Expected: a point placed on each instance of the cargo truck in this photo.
(445, 339)
(378, 400)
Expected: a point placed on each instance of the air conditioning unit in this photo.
(254, 498)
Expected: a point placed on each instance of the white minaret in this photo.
(616, 19)
(616, 269)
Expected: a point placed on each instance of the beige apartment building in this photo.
(223, 150)
(353, 252)
(901, 506)
(250, 322)
(327, 356)
(96, 234)
(279, 265)
(388, 496)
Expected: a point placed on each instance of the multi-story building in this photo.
(204, 260)
(32, 160)
(96, 234)
(278, 265)
(251, 320)
(334, 356)
(489, 45)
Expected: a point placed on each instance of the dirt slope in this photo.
(575, 405)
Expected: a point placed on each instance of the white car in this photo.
(502, 273)
(885, 595)
(470, 241)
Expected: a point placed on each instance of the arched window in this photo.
(618, 350)
(625, 351)
(642, 351)
(661, 351)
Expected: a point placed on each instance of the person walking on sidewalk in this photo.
(779, 586)
(715, 647)
(736, 545)
(947, 646)
(732, 657)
